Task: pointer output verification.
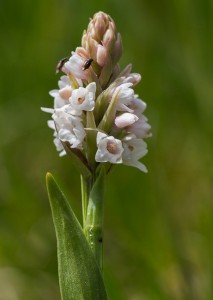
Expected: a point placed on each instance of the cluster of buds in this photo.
(97, 117)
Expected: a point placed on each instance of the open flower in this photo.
(109, 149)
(83, 98)
(56, 141)
(69, 128)
(125, 96)
(61, 96)
(137, 105)
(134, 149)
(140, 128)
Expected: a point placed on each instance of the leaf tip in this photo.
(49, 178)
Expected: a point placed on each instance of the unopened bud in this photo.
(92, 48)
(126, 71)
(125, 119)
(109, 39)
(99, 28)
(81, 51)
(112, 24)
(134, 78)
(102, 16)
(102, 55)
(84, 39)
(117, 49)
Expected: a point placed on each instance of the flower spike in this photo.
(95, 110)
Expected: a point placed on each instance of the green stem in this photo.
(85, 189)
(93, 225)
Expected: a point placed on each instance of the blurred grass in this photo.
(158, 227)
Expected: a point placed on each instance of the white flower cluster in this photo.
(121, 138)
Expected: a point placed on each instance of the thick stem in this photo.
(93, 227)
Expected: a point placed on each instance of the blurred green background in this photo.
(158, 227)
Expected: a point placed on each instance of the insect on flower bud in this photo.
(87, 64)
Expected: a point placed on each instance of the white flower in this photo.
(83, 98)
(75, 65)
(61, 96)
(140, 128)
(125, 96)
(125, 119)
(109, 149)
(134, 149)
(137, 105)
(57, 142)
(69, 128)
(59, 146)
(48, 110)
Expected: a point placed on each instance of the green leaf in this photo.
(79, 275)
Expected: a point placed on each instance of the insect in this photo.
(87, 64)
(60, 64)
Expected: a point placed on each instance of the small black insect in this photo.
(87, 64)
(60, 64)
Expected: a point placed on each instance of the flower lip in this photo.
(83, 98)
(109, 149)
(134, 149)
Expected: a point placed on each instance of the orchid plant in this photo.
(98, 122)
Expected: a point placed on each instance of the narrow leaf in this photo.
(79, 275)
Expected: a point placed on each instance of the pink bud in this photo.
(125, 120)
(134, 78)
(92, 48)
(109, 38)
(103, 16)
(90, 25)
(82, 52)
(84, 39)
(112, 25)
(102, 55)
(117, 49)
(100, 27)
